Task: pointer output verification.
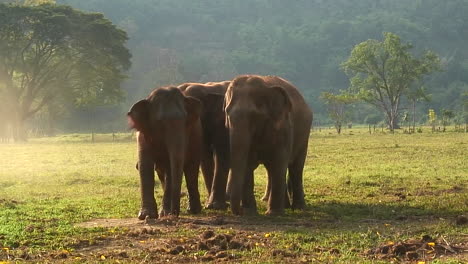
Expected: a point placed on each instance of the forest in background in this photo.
(305, 41)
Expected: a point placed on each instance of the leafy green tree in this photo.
(432, 118)
(48, 52)
(446, 116)
(336, 106)
(415, 94)
(465, 110)
(382, 71)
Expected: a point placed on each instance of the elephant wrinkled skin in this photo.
(215, 158)
(269, 122)
(170, 142)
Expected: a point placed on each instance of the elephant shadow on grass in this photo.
(347, 212)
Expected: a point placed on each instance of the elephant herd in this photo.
(227, 128)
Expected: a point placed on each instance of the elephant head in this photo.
(162, 104)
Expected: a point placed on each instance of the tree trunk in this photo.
(19, 130)
(50, 127)
(338, 128)
(414, 116)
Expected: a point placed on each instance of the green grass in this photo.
(362, 190)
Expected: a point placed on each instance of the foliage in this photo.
(382, 72)
(447, 115)
(304, 42)
(336, 105)
(373, 119)
(56, 53)
(432, 116)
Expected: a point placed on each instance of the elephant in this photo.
(215, 158)
(268, 122)
(169, 141)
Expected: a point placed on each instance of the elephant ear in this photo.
(279, 105)
(193, 107)
(138, 115)
(226, 103)
(215, 101)
(213, 107)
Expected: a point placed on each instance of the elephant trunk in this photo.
(176, 144)
(240, 141)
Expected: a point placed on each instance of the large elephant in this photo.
(215, 158)
(269, 122)
(170, 141)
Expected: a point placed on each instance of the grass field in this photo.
(364, 192)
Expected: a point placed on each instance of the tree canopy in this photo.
(305, 41)
(336, 106)
(56, 53)
(383, 71)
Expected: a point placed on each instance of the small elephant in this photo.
(269, 122)
(215, 158)
(170, 142)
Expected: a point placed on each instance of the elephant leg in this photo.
(191, 179)
(266, 196)
(249, 204)
(217, 199)
(295, 181)
(208, 167)
(288, 193)
(277, 168)
(146, 171)
(267, 189)
(161, 176)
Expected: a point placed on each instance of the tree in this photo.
(415, 94)
(336, 106)
(383, 71)
(49, 52)
(432, 118)
(446, 116)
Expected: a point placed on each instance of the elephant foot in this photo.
(221, 206)
(147, 213)
(194, 209)
(298, 205)
(250, 211)
(274, 212)
(236, 209)
(165, 213)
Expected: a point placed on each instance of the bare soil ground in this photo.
(224, 239)
(216, 239)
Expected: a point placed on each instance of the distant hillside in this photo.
(304, 40)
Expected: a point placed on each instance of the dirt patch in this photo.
(205, 239)
(217, 239)
(424, 249)
(452, 190)
(128, 222)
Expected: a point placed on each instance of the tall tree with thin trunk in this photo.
(50, 51)
(336, 106)
(382, 71)
(415, 94)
